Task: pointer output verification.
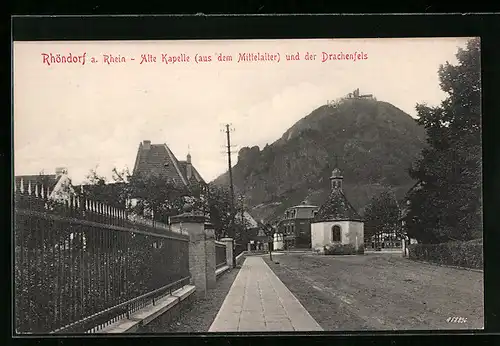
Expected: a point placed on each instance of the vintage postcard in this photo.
(310, 185)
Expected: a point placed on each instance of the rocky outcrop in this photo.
(375, 143)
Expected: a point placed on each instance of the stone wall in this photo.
(202, 252)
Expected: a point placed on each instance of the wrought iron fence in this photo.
(80, 264)
(220, 254)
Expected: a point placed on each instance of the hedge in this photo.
(459, 254)
(342, 249)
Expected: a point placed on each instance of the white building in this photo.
(336, 220)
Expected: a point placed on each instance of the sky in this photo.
(94, 115)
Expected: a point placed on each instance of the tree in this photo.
(150, 195)
(227, 222)
(447, 206)
(219, 207)
(243, 230)
(157, 196)
(382, 215)
(121, 176)
(93, 178)
(97, 188)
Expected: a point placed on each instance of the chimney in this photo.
(189, 167)
(60, 171)
(146, 144)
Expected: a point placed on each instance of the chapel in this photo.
(336, 221)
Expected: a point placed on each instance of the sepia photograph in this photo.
(228, 186)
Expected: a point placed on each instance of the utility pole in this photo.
(270, 242)
(231, 187)
(230, 169)
(242, 206)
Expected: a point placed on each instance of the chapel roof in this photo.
(337, 208)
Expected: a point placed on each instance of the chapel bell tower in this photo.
(336, 177)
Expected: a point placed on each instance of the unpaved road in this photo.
(381, 292)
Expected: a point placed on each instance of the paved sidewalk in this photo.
(259, 301)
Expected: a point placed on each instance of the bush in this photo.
(339, 249)
(460, 254)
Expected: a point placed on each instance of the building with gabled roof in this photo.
(406, 205)
(405, 209)
(295, 225)
(254, 230)
(58, 185)
(159, 159)
(336, 221)
(48, 181)
(246, 219)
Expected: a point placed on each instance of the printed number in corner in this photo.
(456, 320)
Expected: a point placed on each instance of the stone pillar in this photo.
(229, 251)
(210, 254)
(194, 226)
(249, 247)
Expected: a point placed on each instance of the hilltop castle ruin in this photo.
(353, 95)
(356, 95)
